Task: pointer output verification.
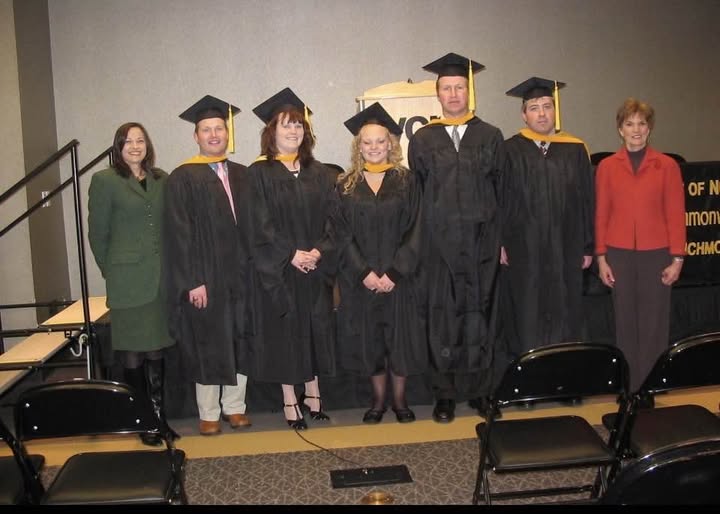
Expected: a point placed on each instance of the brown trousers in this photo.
(642, 307)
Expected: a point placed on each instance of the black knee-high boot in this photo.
(155, 375)
(135, 377)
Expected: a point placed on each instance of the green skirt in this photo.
(140, 329)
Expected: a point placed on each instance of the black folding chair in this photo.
(678, 158)
(599, 156)
(689, 363)
(686, 473)
(96, 407)
(550, 374)
(20, 473)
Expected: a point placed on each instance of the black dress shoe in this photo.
(444, 411)
(404, 415)
(373, 416)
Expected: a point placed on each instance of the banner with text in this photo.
(702, 219)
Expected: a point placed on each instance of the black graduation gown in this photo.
(383, 235)
(459, 256)
(293, 328)
(547, 228)
(205, 245)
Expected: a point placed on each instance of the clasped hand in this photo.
(378, 284)
(198, 297)
(306, 261)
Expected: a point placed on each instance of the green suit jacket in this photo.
(125, 230)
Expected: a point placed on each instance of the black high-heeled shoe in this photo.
(404, 414)
(298, 423)
(373, 416)
(315, 415)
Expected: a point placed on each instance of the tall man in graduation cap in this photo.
(206, 222)
(458, 160)
(547, 234)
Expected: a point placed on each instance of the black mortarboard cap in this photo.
(373, 114)
(534, 87)
(453, 65)
(208, 107)
(278, 102)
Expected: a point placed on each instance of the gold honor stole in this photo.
(377, 168)
(290, 157)
(453, 121)
(203, 159)
(559, 137)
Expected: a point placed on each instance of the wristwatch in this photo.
(678, 259)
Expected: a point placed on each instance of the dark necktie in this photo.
(543, 147)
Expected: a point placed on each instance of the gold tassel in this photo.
(556, 96)
(307, 119)
(471, 87)
(231, 131)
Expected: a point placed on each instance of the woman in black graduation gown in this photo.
(379, 329)
(294, 257)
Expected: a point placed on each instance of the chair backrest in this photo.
(685, 473)
(562, 371)
(22, 484)
(599, 156)
(82, 407)
(678, 158)
(691, 362)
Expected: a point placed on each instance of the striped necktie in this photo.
(543, 147)
(456, 138)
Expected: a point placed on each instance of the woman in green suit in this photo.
(125, 226)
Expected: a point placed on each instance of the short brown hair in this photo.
(631, 107)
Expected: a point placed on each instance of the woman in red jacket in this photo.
(639, 237)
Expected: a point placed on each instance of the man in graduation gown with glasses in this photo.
(547, 228)
(458, 160)
(207, 250)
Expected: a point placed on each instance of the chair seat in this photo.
(565, 441)
(665, 426)
(115, 478)
(12, 487)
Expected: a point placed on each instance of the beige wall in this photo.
(48, 242)
(16, 279)
(147, 60)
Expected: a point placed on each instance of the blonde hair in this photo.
(354, 175)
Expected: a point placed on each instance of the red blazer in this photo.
(643, 210)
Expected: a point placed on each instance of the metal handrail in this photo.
(22, 332)
(38, 169)
(26, 331)
(32, 305)
(75, 180)
(58, 189)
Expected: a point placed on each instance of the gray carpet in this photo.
(443, 474)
